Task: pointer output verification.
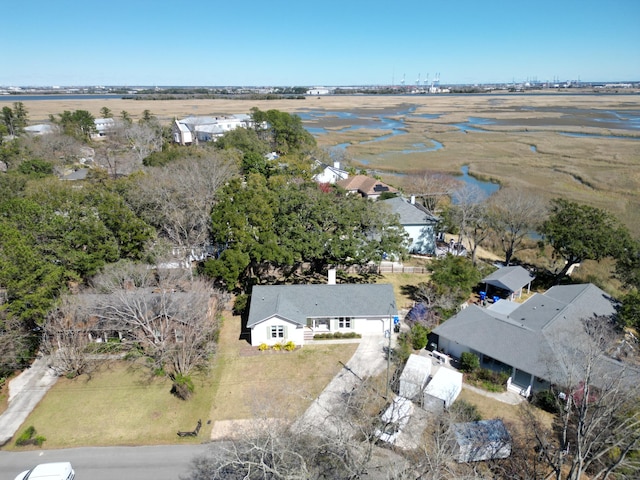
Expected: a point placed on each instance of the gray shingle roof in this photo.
(296, 303)
(410, 214)
(534, 336)
(511, 278)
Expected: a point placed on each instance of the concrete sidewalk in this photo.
(25, 391)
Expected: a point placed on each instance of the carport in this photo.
(512, 280)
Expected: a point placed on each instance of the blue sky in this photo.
(215, 42)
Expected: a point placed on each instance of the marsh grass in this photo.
(601, 171)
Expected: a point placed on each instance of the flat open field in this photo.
(583, 147)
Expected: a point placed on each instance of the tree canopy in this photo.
(581, 232)
(283, 131)
(258, 226)
(78, 124)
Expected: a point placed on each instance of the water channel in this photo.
(394, 123)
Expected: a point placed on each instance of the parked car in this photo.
(49, 471)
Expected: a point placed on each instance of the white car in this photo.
(49, 471)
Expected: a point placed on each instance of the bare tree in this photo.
(597, 430)
(177, 199)
(127, 144)
(143, 139)
(67, 334)
(341, 445)
(469, 210)
(172, 316)
(433, 189)
(513, 214)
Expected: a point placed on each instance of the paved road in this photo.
(25, 391)
(167, 462)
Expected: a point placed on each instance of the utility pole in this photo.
(387, 334)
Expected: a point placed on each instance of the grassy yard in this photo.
(489, 408)
(121, 405)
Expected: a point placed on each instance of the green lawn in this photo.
(121, 405)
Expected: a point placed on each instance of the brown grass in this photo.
(489, 408)
(122, 405)
(251, 383)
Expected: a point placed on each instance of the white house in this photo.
(207, 128)
(103, 126)
(40, 129)
(414, 376)
(419, 224)
(329, 173)
(318, 91)
(282, 313)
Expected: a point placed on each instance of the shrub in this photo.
(182, 386)
(277, 347)
(465, 411)
(289, 346)
(546, 400)
(111, 347)
(263, 346)
(403, 348)
(29, 437)
(469, 362)
(419, 336)
(240, 304)
(336, 335)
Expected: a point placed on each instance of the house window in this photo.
(344, 322)
(277, 331)
(179, 336)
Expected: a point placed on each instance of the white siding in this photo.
(414, 376)
(451, 348)
(371, 325)
(445, 385)
(260, 333)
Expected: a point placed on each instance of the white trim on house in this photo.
(359, 308)
(264, 333)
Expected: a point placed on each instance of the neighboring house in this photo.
(40, 129)
(508, 282)
(206, 128)
(282, 313)
(329, 174)
(181, 133)
(533, 340)
(318, 91)
(419, 224)
(414, 377)
(366, 187)
(103, 126)
(482, 440)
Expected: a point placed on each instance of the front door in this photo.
(322, 324)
